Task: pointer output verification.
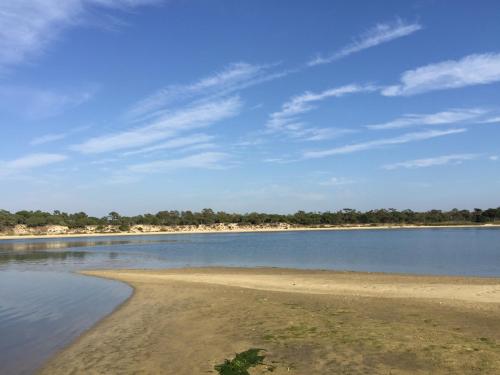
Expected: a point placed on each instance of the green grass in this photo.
(240, 364)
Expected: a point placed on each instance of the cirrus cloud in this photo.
(28, 162)
(430, 162)
(30, 26)
(287, 119)
(380, 33)
(378, 143)
(205, 160)
(448, 117)
(165, 126)
(477, 69)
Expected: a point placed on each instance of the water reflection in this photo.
(29, 257)
(42, 244)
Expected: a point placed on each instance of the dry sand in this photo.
(232, 228)
(310, 322)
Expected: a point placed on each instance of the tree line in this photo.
(208, 217)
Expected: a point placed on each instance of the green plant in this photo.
(240, 364)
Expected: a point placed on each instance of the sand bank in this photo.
(310, 322)
(222, 229)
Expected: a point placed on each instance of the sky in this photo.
(272, 106)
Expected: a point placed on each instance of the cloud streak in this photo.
(378, 143)
(47, 138)
(241, 75)
(477, 69)
(188, 141)
(493, 120)
(205, 160)
(36, 104)
(234, 77)
(337, 181)
(431, 162)
(379, 34)
(452, 116)
(30, 26)
(166, 126)
(28, 162)
(287, 119)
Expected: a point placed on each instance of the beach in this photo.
(187, 321)
(64, 232)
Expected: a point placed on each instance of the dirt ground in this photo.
(309, 322)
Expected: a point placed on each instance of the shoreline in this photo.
(246, 230)
(185, 321)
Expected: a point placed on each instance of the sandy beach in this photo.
(309, 322)
(226, 229)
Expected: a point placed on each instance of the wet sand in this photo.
(310, 322)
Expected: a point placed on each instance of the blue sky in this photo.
(275, 106)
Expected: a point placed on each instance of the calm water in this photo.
(44, 305)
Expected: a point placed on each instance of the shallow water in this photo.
(44, 305)
(41, 312)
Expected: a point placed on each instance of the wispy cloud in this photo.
(53, 137)
(179, 109)
(47, 138)
(287, 119)
(206, 160)
(380, 33)
(451, 116)
(378, 143)
(494, 158)
(431, 162)
(191, 140)
(250, 141)
(29, 162)
(337, 181)
(30, 26)
(493, 120)
(36, 104)
(304, 103)
(199, 146)
(235, 77)
(320, 134)
(165, 126)
(280, 160)
(477, 69)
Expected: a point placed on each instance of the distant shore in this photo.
(63, 232)
(309, 322)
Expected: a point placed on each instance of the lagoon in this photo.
(44, 305)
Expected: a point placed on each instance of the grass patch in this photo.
(243, 361)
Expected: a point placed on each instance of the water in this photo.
(44, 305)
(41, 312)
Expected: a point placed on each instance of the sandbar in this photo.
(309, 322)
